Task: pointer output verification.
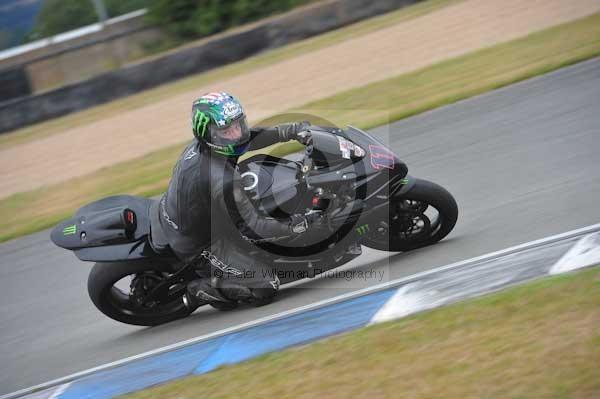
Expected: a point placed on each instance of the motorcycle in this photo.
(359, 186)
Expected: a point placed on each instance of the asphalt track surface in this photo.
(521, 161)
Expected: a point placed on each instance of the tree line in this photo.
(182, 19)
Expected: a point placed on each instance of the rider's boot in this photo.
(200, 292)
(233, 291)
(214, 291)
(222, 292)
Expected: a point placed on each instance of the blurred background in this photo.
(495, 100)
(46, 44)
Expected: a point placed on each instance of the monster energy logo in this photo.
(200, 122)
(70, 230)
(361, 230)
(404, 181)
(229, 149)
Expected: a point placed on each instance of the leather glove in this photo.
(290, 131)
(300, 224)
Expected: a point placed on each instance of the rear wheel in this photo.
(422, 216)
(140, 292)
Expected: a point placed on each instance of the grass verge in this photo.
(268, 58)
(539, 340)
(466, 76)
(397, 97)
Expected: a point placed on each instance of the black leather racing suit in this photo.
(205, 213)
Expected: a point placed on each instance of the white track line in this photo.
(316, 305)
(586, 252)
(59, 391)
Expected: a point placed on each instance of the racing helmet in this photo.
(219, 122)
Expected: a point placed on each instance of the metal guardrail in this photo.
(65, 37)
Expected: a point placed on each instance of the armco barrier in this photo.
(14, 83)
(399, 298)
(207, 54)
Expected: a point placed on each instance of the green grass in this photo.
(253, 63)
(388, 100)
(539, 340)
(32, 211)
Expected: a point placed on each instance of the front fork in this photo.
(371, 221)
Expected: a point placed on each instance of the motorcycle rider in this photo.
(205, 216)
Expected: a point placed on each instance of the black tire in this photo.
(434, 196)
(117, 305)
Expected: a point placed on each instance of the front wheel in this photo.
(422, 216)
(141, 293)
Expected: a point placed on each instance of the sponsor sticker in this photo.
(231, 109)
(70, 230)
(381, 157)
(348, 148)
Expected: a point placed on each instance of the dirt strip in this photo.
(407, 46)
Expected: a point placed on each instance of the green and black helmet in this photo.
(219, 121)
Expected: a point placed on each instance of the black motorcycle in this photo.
(359, 186)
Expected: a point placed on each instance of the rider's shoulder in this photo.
(190, 153)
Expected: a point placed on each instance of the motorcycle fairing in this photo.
(111, 229)
(274, 186)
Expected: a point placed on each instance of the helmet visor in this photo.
(234, 134)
